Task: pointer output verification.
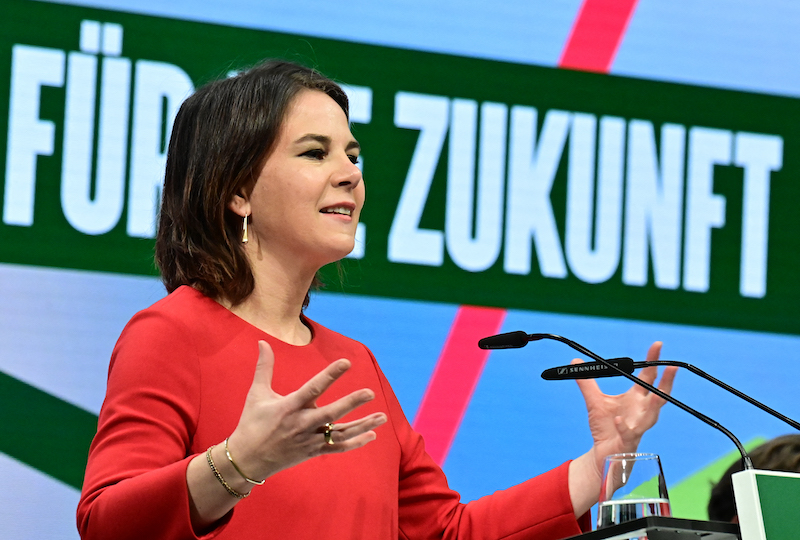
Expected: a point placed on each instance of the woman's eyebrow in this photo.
(326, 141)
(322, 139)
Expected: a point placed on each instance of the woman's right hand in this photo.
(276, 432)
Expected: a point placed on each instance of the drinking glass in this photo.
(633, 487)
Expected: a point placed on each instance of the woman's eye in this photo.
(353, 159)
(316, 153)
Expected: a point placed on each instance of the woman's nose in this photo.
(349, 175)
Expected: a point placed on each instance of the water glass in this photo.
(633, 487)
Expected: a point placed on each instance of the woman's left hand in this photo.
(617, 424)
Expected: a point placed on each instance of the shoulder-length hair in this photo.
(221, 137)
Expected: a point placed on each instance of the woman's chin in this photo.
(338, 253)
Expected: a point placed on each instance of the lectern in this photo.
(768, 504)
(665, 528)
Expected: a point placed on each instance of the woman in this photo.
(225, 390)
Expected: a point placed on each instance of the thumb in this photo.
(589, 388)
(262, 378)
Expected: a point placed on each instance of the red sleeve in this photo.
(539, 509)
(135, 483)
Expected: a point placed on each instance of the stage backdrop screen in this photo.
(615, 176)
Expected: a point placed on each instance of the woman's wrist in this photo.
(249, 480)
(209, 500)
(245, 462)
(233, 483)
(584, 482)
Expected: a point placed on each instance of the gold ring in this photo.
(328, 431)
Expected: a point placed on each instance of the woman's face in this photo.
(309, 194)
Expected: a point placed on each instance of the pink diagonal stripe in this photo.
(596, 35)
(455, 377)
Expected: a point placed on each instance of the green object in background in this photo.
(642, 490)
(44, 431)
(689, 498)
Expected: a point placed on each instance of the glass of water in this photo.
(633, 487)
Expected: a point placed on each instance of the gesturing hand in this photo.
(618, 422)
(276, 432)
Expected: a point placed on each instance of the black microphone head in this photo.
(510, 340)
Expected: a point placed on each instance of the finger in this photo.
(306, 395)
(353, 434)
(350, 444)
(589, 388)
(262, 378)
(654, 351)
(341, 407)
(667, 379)
(649, 374)
(348, 430)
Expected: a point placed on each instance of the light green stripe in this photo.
(689, 498)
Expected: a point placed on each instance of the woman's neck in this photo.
(276, 303)
(275, 314)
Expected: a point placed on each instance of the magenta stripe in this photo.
(455, 377)
(592, 45)
(596, 35)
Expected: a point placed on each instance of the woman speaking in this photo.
(230, 414)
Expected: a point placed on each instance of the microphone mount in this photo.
(629, 366)
(520, 339)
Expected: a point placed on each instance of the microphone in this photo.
(590, 370)
(596, 370)
(511, 340)
(520, 339)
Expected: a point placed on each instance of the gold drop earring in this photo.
(244, 230)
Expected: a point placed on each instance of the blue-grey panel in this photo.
(747, 44)
(525, 32)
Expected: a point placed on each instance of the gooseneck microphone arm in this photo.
(520, 339)
(732, 390)
(596, 370)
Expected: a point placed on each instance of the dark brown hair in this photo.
(778, 454)
(221, 138)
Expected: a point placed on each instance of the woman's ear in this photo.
(240, 204)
